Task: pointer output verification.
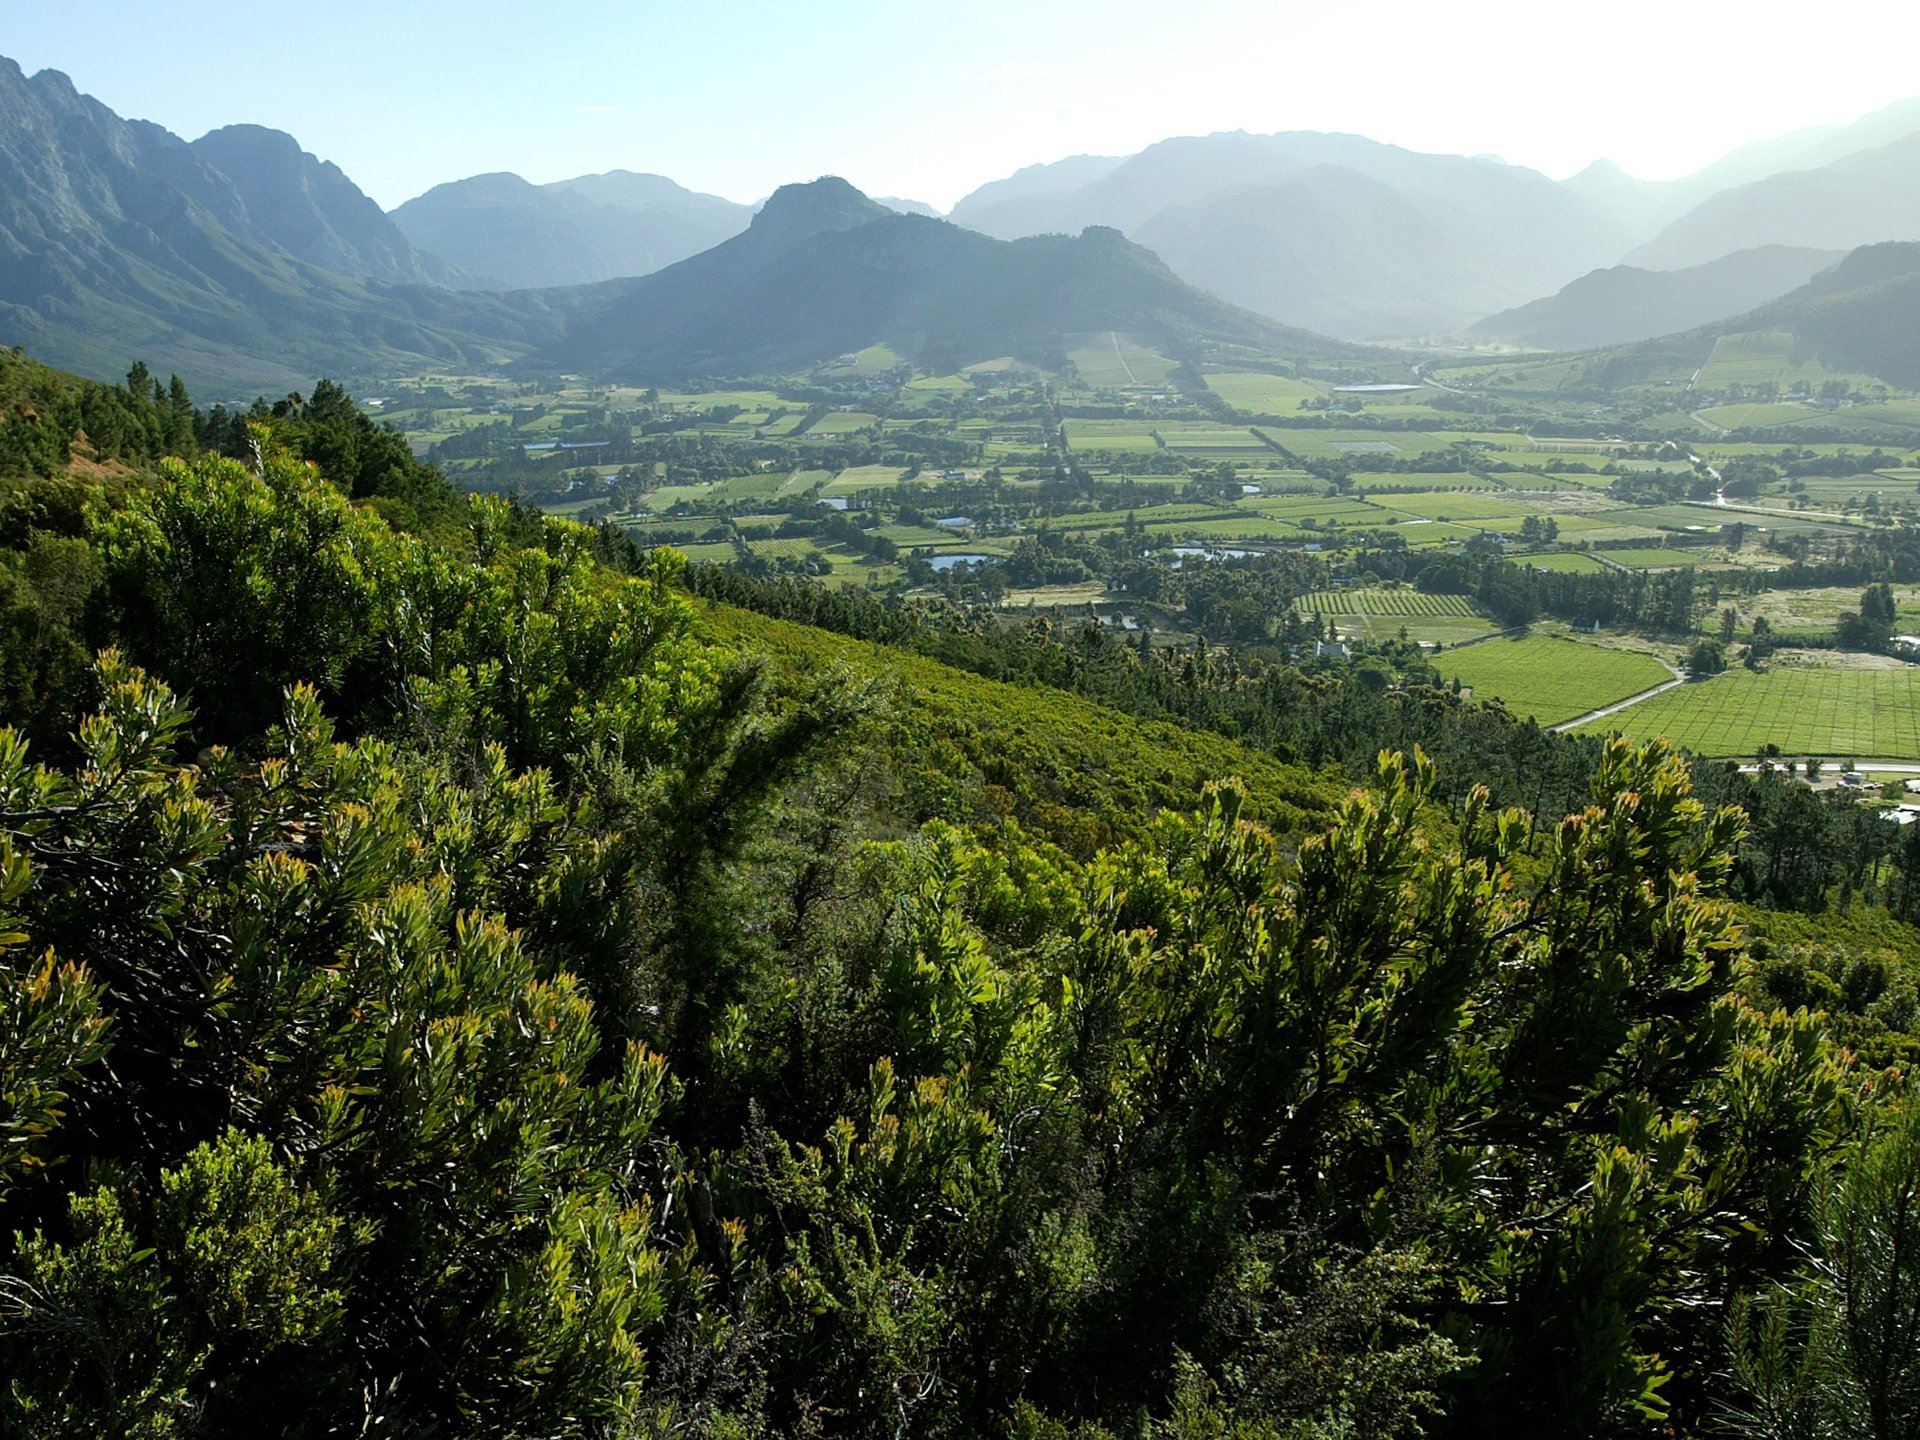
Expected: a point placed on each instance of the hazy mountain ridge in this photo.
(1863, 198)
(1397, 243)
(1861, 315)
(518, 235)
(1646, 207)
(824, 270)
(1624, 303)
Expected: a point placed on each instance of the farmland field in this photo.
(1550, 678)
(1805, 709)
(1111, 435)
(1313, 443)
(1262, 394)
(1380, 614)
(1107, 359)
(837, 422)
(1192, 438)
(1563, 562)
(864, 477)
(1756, 357)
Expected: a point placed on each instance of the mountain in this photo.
(1624, 303)
(1863, 314)
(982, 209)
(594, 227)
(908, 207)
(1645, 207)
(119, 240)
(823, 270)
(1860, 199)
(311, 210)
(1333, 232)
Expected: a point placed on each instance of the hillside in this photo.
(1620, 305)
(1861, 316)
(516, 235)
(1864, 313)
(119, 240)
(311, 210)
(823, 270)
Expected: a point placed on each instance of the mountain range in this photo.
(239, 259)
(824, 270)
(514, 235)
(1624, 303)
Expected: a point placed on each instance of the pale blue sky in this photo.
(928, 101)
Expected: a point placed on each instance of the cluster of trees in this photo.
(1802, 851)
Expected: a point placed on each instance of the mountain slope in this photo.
(824, 270)
(1622, 304)
(311, 210)
(594, 227)
(1334, 232)
(1862, 314)
(1861, 199)
(119, 240)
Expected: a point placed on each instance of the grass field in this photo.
(1805, 709)
(1756, 357)
(864, 477)
(1109, 360)
(838, 422)
(1563, 562)
(1550, 678)
(1128, 435)
(1262, 394)
(1652, 559)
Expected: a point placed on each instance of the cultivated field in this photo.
(1805, 708)
(1550, 678)
(1382, 613)
(1262, 394)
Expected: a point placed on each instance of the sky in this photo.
(736, 97)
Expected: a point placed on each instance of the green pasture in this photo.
(1262, 394)
(856, 478)
(1109, 360)
(843, 422)
(1548, 677)
(1563, 562)
(1127, 435)
(1805, 709)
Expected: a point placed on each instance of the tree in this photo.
(1838, 1351)
(1707, 657)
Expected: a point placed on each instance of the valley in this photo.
(1263, 787)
